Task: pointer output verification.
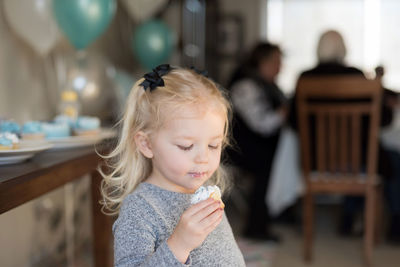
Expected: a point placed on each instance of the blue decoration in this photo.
(83, 21)
(153, 43)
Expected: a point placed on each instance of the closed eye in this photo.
(213, 147)
(185, 148)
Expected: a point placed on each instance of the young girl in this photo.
(173, 130)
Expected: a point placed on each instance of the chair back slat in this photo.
(355, 142)
(333, 138)
(343, 135)
(332, 113)
(321, 142)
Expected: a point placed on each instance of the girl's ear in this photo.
(143, 143)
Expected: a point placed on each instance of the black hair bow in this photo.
(153, 79)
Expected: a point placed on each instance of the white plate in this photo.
(81, 141)
(26, 150)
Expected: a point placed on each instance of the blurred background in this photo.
(99, 48)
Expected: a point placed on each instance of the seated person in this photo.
(331, 55)
(259, 111)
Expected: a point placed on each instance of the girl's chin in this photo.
(193, 188)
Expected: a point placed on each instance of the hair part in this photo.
(125, 167)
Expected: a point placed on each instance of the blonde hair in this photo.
(125, 166)
(331, 47)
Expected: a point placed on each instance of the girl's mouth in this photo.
(197, 174)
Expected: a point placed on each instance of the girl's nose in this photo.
(202, 156)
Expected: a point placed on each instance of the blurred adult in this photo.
(259, 111)
(331, 53)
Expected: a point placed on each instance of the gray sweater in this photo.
(148, 217)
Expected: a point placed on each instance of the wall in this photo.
(250, 12)
(24, 91)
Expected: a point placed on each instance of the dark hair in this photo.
(260, 52)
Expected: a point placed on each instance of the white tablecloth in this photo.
(286, 182)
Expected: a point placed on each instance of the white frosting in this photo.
(10, 136)
(204, 192)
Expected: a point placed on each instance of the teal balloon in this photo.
(83, 21)
(152, 43)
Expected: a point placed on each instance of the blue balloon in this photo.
(83, 21)
(152, 43)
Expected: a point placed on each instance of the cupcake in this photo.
(8, 141)
(9, 126)
(56, 130)
(205, 192)
(32, 130)
(86, 126)
(65, 119)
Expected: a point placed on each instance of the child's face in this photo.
(187, 150)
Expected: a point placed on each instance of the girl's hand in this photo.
(194, 226)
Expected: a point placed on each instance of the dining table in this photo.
(52, 169)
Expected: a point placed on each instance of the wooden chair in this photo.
(331, 112)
